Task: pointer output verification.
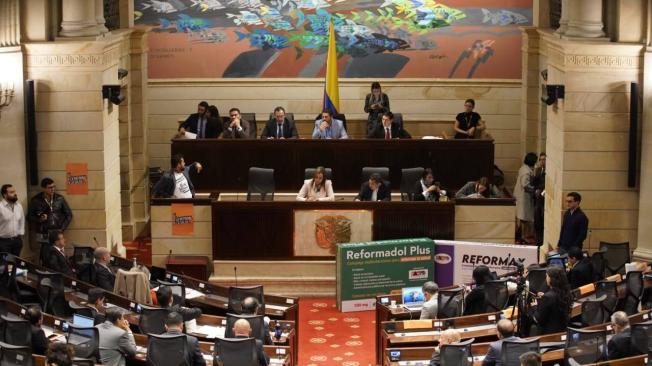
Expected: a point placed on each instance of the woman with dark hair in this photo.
(553, 309)
(479, 189)
(375, 103)
(318, 188)
(475, 301)
(524, 194)
(59, 354)
(213, 123)
(468, 124)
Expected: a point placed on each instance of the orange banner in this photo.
(77, 178)
(183, 219)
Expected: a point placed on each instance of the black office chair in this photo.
(50, 291)
(167, 350)
(82, 310)
(261, 184)
(368, 171)
(450, 302)
(594, 312)
(598, 264)
(236, 351)
(409, 177)
(634, 291)
(616, 256)
(83, 262)
(85, 341)
(16, 331)
(8, 285)
(178, 291)
(257, 323)
(11, 355)
(584, 346)
(152, 320)
(238, 294)
(610, 290)
(536, 277)
(642, 336)
(496, 295)
(511, 350)
(456, 353)
(310, 172)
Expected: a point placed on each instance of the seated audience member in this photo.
(430, 307)
(505, 329)
(213, 124)
(388, 129)
(174, 326)
(620, 345)
(426, 189)
(39, 341)
(165, 299)
(196, 123)
(96, 298)
(250, 306)
(103, 277)
(116, 339)
(375, 104)
(318, 188)
(374, 190)
(236, 127)
(475, 302)
(328, 127)
(176, 183)
(242, 329)
(530, 359)
(581, 269)
(59, 354)
(449, 336)
(479, 189)
(468, 124)
(279, 127)
(56, 259)
(551, 313)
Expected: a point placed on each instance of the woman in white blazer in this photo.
(318, 188)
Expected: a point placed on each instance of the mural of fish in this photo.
(379, 43)
(206, 5)
(159, 6)
(184, 23)
(503, 17)
(245, 18)
(262, 38)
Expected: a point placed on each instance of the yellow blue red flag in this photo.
(331, 89)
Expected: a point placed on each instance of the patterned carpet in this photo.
(328, 337)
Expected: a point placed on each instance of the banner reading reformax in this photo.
(365, 270)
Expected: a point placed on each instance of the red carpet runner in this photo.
(328, 337)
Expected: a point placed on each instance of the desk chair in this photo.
(598, 264)
(610, 290)
(82, 310)
(409, 177)
(167, 350)
(85, 341)
(238, 294)
(133, 285)
(584, 346)
(16, 331)
(594, 312)
(15, 355)
(513, 349)
(236, 351)
(261, 184)
(310, 172)
(51, 293)
(642, 336)
(450, 302)
(83, 260)
(537, 280)
(456, 353)
(634, 291)
(496, 295)
(178, 291)
(257, 323)
(369, 170)
(152, 320)
(8, 285)
(616, 255)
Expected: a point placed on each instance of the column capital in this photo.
(584, 19)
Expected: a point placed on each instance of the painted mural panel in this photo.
(379, 39)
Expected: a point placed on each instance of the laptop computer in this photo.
(82, 321)
(413, 297)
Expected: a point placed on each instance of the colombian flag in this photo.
(331, 90)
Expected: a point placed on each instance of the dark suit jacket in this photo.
(289, 130)
(581, 274)
(234, 133)
(550, 315)
(263, 359)
(58, 262)
(39, 341)
(193, 355)
(397, 132)
(573, 229)
(620, 345)
(213, 126)
(494, 356)
(417, 193)
(104, 278)
(384, 192)
(187, 313)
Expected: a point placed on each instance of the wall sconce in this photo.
(552, 93)
(6, 96)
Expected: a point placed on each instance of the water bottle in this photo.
(277, 330)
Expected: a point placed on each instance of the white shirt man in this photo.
(12, 221)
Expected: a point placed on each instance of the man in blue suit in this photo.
(329, 128)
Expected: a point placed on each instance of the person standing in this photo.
(197, 122)
(12, 221)
(539, 184)
(523, 192)
(468, 123)
(376, 104)
(575, 224)
(176, 182)
(49, 211)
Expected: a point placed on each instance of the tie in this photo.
(279, 130)
(388, 136)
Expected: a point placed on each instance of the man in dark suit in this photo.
(56, 259)
(505, 332)
(426, 189)
(103, 276)
(388, 129)
(279, 127)
(95, 301)
(575, 224)
(165, 299)
(174, 326)
(374, 190)
(199, 124)
(236, 127)
(40, 342)
(620, 345)
(242, 329)
(581, 271)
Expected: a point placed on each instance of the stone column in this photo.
(585, 19)
(99, 16)
(563, 22)
(79, 19)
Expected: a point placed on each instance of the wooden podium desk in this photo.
(226, 162)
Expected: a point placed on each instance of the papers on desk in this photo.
(189, 136)
(192, 294)
(277, 361)
(48, 331)
(275, 307)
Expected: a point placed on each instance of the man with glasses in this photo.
(48, 211)
(575, 224)
(236, 128)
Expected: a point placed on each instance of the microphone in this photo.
(169, 257)
(235, 274)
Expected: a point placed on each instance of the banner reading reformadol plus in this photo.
(365, 270)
